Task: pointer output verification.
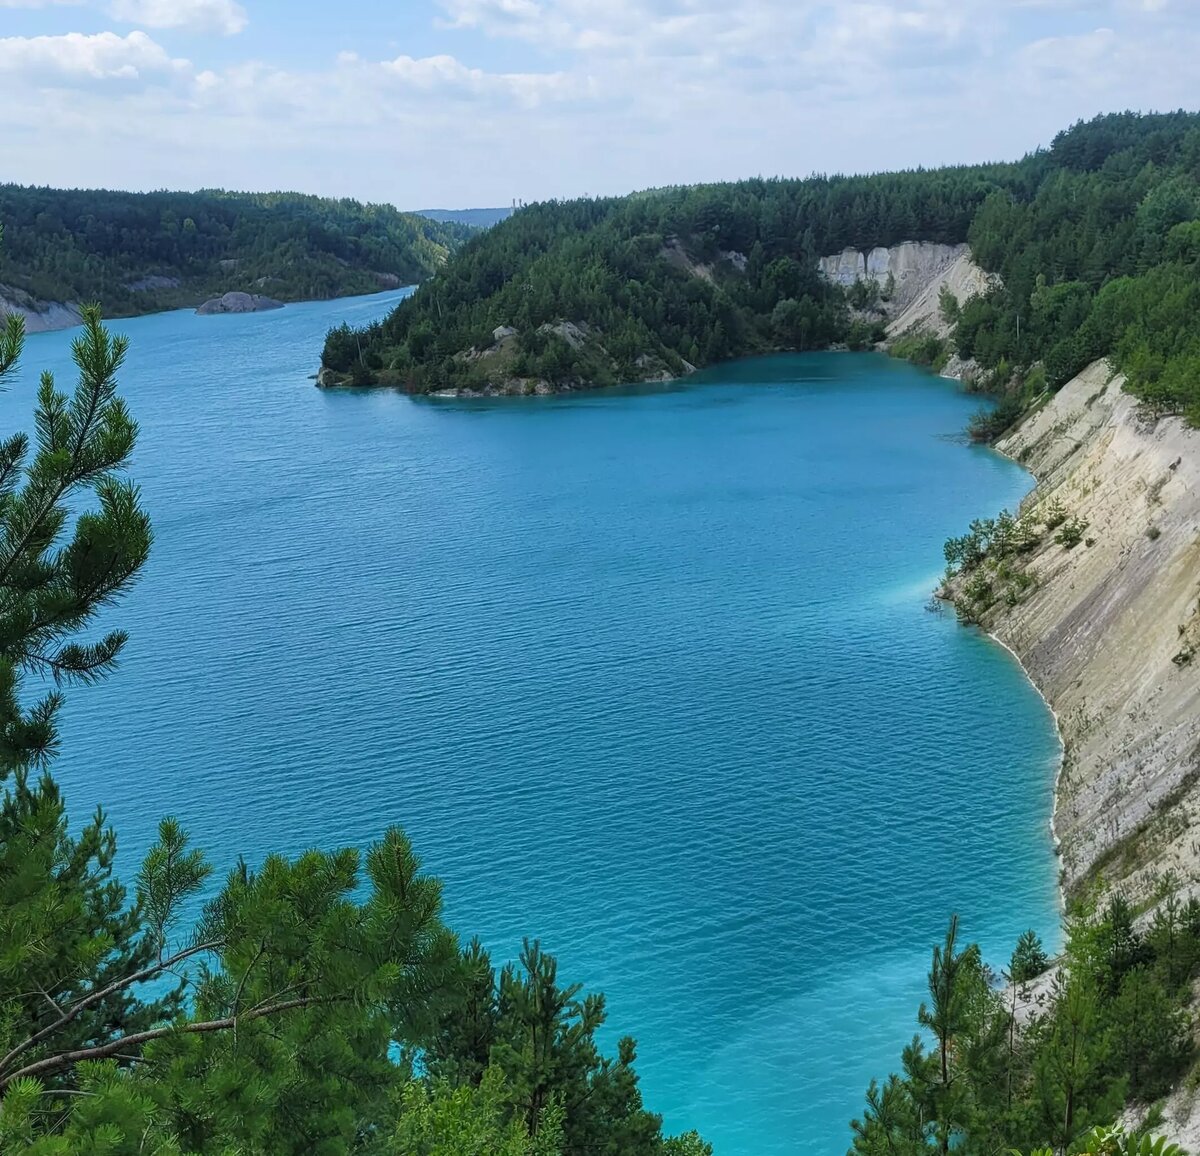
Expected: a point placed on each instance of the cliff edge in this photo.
(40, 316)
(1111, 630)
(915, 273)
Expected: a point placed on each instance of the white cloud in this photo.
(1069, 57)
(48, 61)
(447, 76)
(607, 95)
(223, 17)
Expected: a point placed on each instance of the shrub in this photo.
(1070, 534)
(921, 349)
(1055, 515)
(987, 425)
(1029, 960)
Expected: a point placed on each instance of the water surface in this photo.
(646, 673)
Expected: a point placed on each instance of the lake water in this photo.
(646, 673)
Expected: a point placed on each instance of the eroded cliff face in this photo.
(1111, 632)
(40, 316)
(917, 272)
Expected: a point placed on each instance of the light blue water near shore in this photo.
(647, 674)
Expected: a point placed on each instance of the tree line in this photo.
(1044, 1052)
(136, 252)
(1096, 241)
(695, 274)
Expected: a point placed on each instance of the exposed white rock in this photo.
(911, 265)
(1111, 634)
(40, 316)
(572, 332)
(962, 277)
(957, 369)
(916, 272)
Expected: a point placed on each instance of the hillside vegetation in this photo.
(1096, 241)
(137, 252)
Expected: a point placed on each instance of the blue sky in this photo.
(469, 102)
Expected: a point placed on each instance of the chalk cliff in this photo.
(1111, 632)
(40, 316)
(916, 272)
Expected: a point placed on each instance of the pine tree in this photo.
(947, 1015)
(53, 584)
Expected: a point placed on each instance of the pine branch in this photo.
(102, 1051)
(93, 340)
(81, 1005)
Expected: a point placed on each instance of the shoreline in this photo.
(1108, 633)
(68, 317)
(1058, 771)
(1041, 693)
(1058, 727)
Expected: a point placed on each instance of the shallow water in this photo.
(645, 673)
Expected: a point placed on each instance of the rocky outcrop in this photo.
(1111, 631)
(911, 276)
(496, 374)
(40, 316)
(909, 267)
(239, 303)
(675, 253)
(575, 334)
(962, 277)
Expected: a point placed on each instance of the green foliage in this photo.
(989, 424)
(55, 582)
(1096, 242)
(989, 560)
(1071, 532)
(948, 305)
(1101, 260)
(996, 539)
(1116, 1142)
(441, 1119)
(698, 274)
(135, 252)
(921, 348)
(1029, 959)
(1115, 1025)
(542, 1038)
(1054, 515)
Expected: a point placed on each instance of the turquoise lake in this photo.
(647, 674)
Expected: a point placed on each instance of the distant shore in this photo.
(54, 316)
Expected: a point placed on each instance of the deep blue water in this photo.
(645, 673)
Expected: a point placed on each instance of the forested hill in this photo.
(1096, 241)
(654, 279)
(137, 252)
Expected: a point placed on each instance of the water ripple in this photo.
(647, 674)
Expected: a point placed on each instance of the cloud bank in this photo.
(607, 95)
